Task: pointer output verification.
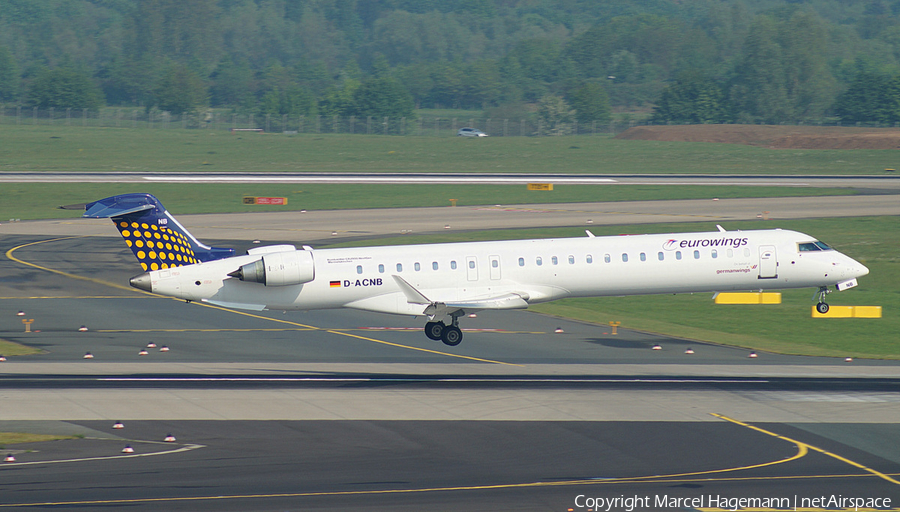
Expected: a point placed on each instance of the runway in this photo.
(337, 410)
(862, 181)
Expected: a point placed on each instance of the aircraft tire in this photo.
(822, 308)
(434, 330)
(451, 335)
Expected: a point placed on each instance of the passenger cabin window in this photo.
(434, 265)
(453, 265)
(606, 258)
(624, 257)
(731, 253)
(589, 259)
(495, 263)
(471, 263)
(381, 268)
(696, 255)
(554, 260)
(539, 261)
(661, 255)
(643, 256)
(399, 267)
(677, 255)
(746, 252)
(521, 262)
(359, 269)
(571, 260)
(417, 266)
(714, 254)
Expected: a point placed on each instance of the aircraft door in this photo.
(471, 268)
(495, 267)
(768, 262)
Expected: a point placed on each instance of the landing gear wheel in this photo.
(451, 335)
(822, 308)
(434, 330)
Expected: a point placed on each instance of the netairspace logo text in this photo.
(632, 503)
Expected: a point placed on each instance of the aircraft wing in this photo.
(437, 307)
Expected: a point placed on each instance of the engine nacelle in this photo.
(279, 269)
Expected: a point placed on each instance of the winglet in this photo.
(413, 296)
(589, 234)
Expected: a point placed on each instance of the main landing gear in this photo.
(821, 307)
(450, 334)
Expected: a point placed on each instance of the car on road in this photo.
(470, 132)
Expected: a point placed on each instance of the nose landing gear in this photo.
(821, 307)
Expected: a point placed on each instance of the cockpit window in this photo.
(813, 246)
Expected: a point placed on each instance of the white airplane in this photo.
(447, 281)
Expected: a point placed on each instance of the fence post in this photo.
(34, 116)
(50, 117)
(506, 127)
(368, 125)
(334, 124)
(540, 127)
(594, 128)
(487, 126)
(521, 127)
(575, 127)
(437, 126)
(18, 115)
(385, 126)
(453, 126)
(352, 125)
(402, 126)
(68, 115)
(318, 123)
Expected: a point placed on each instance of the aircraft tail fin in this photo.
(155, 237)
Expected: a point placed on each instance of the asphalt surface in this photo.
(337, 410)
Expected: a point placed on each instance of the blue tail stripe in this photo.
(156, 242)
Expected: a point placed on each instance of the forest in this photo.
(703, 61)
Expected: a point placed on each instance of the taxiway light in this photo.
(118, 425)
(163, 348)
(9, 458)
(82, 329)
(752, 355)
(848, 359)
(689, 351)
(88, 355)
(657, 347)
(143, 352)
(169, 438)
(472, 315)
(558, 330)
(128, 449)
(20, 313)
(151, 345)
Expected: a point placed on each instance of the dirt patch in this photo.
(777, 137)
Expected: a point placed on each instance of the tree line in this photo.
(705, 61)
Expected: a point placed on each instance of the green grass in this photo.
(40, 200)
(9, 348)
(7, 438)
(786, 328)
(61, 148)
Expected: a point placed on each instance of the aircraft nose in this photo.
(142, 282)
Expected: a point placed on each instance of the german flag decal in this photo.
(335, 284)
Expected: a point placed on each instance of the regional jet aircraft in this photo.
(447, 281)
